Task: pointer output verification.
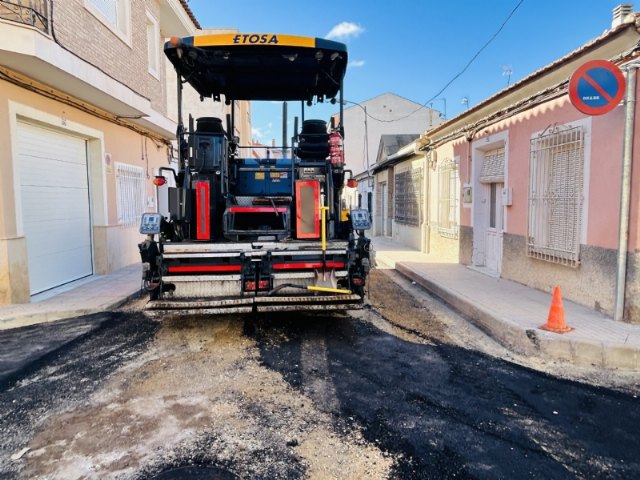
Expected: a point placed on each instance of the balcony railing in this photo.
(34, 13)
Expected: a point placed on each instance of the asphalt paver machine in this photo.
(249, 232)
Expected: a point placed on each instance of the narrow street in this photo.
(456, 215)
(405, 389)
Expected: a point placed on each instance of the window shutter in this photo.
(493, 166)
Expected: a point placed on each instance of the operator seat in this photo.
(313, 141)
(209, 125)
(210, 145)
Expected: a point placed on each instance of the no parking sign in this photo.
(596, 87)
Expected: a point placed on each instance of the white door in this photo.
(55, 206)
(495, 228)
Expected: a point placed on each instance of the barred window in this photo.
(130, 188)
(448, 202)
(408, 197)
(556, 177)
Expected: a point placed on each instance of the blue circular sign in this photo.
(596, 87)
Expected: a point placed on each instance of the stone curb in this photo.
(531, 341)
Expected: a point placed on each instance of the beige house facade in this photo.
(415, 202)
(84, 126)
(366, 124)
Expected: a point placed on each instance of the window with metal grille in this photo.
(448, 202)
(408, 198)
(130, 189)
(556, 177)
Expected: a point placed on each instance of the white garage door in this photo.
(55, 206)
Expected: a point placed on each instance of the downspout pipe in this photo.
(426, 204)
(625, 195)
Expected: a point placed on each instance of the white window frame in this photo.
(121, 25)
(544, 200)
(448, 199)
(130, 193)
(153, 45)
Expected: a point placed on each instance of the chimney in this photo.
(622, 14)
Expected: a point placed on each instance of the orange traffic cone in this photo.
(555, 322)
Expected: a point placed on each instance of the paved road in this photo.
(64, 378)
(446, 412)
(297, 396)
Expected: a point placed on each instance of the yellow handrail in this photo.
(329, 290)
(324, 211)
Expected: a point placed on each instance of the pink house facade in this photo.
(540, 184)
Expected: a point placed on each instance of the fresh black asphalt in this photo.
(440, 410)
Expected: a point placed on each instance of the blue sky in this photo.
(414, 48)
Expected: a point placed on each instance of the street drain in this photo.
(195, 473)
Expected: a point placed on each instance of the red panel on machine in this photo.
(307, 209)
(307, 265)
(257, 209)
(203, 216)
(203, 268)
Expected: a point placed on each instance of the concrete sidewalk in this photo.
(511, 312)
(93, 295)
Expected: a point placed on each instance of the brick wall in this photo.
(125, 59)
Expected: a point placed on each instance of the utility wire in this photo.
(464, 69)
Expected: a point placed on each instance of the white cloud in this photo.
(257, 133)
(345, 30)
(261, 133)
(357, 63)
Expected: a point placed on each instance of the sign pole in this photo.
(625, 194)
